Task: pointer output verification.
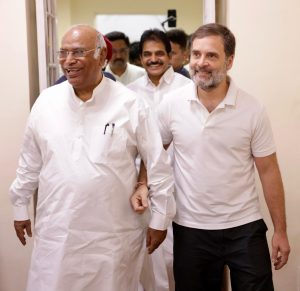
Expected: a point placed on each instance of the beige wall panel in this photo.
(267, 65)
(15, 100)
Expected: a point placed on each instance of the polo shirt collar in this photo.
(230, 98)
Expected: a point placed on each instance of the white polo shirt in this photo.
(213, 156)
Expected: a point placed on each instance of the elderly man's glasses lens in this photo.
(78, 53)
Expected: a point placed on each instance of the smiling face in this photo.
(208, 62)
(83, 72)
(155, 59)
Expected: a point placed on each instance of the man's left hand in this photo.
(280, 250)
(155, 238)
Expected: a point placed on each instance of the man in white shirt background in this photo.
(79, 150)
(118, 65)
(155, 54)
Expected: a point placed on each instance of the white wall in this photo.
(267, 65)
(14, 258)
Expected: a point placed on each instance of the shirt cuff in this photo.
(21, 213)
(159, 221)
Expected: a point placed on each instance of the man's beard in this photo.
(216, 77)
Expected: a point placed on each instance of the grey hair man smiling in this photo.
(79, 148)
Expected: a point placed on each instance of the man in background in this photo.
(119, 65)
(79, 150)
(179, 53)
(134, 55)
(155, 55)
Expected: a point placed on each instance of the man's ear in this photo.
(103, 54)
(186, 54)
(230, 62)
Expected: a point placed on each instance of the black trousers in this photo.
(200, 257)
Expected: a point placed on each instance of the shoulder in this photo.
(186, 90)
(135, 71)
(242, 98)
(178, 78)
(54, 93)
(184, 72)
(179, 97)
(138, 83)
(135, 68)
(248, 101)
(109, 75)
(120, 92)
(50, 99)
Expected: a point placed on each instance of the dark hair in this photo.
(155, 35)
(219, 30)
(178, 36)
(118, 35)
(134, 52)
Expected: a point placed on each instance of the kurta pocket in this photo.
(108, 147)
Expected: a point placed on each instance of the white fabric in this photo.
(153, 94)
(87, 237)
(213, 156)
(131, 73)
(158, 268)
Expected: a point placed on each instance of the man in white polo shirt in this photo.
(155, 54)
(219, 134)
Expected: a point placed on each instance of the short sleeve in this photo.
(262, 143)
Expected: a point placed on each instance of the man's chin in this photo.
(73, 81)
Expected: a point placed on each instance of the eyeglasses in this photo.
(77, 53)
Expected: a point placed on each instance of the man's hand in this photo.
(280, 250)
(154, 239)
(19, 227)
(139, 199)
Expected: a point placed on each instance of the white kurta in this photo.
(158, 268)
(81, 157)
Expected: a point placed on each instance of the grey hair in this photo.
(100, 43)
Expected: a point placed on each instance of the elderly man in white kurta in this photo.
(80, 144)
(155, 52)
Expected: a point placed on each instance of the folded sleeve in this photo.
(159, 171)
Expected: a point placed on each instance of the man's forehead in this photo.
(118, 43)
(212, 42)
(79, 36)
(153, 45)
